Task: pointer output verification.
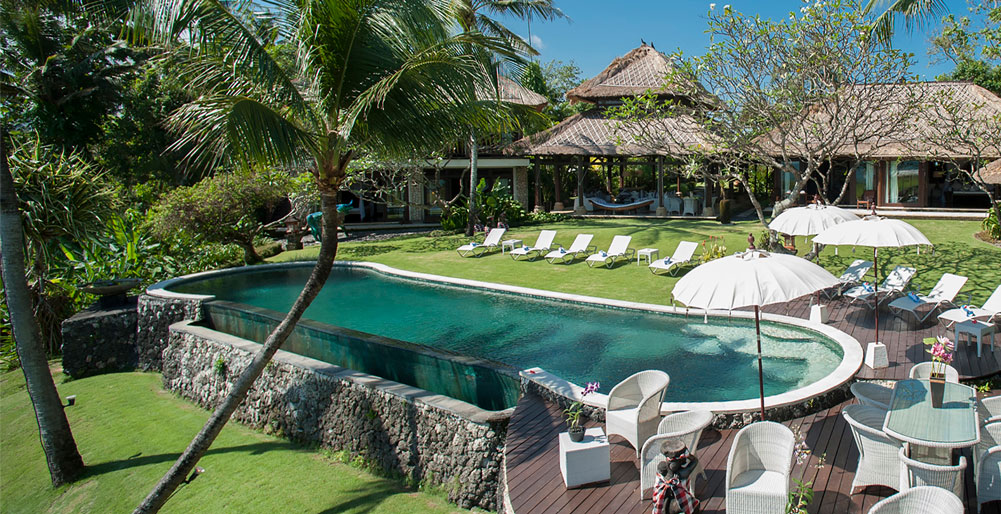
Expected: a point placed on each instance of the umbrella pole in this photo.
(761, 374)
(875, 286)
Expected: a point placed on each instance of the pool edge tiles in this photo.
(849, 365)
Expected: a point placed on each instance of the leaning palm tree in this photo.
(915, 13)
(382, 77)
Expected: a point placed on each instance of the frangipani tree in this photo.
(793, 95)
(390, 77)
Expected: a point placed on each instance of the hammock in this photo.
(614, 207)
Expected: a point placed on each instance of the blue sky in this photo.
(602, 30)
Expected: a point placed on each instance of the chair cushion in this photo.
(622, 416)
(760, 481)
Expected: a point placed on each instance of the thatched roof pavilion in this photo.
(512, 92)
(594, 134)
(991, 173)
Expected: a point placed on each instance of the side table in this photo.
(649, 253)
(510, 244)
(586, 462)
(972, 327)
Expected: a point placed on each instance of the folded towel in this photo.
(474, 243)
(968, 311)
(562, 250)
(667, 260)
(603, 254)
(867, 287)
(914, 298)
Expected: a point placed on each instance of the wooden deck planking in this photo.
(536, 486)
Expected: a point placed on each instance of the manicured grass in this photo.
(956, 251)
(130, 430)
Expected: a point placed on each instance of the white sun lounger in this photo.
(542, 244)
(988, 312)
(619, 249)
(943, 293)
(852, 276)
(581, 246)
(491, 242)
(682, 255)
(892, 285)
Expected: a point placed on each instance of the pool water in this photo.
(580, 343)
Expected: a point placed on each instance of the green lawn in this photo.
(130, 430)
(956, 251)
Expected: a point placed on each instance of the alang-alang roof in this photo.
(593, 133)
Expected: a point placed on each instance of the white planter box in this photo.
(586, 462)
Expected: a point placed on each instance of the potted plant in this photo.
(573, 413)
(941, 352)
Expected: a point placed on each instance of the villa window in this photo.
(865, 179)
(789, 179)
(902, 183)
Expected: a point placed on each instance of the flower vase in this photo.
(937, 387)
(576, 433)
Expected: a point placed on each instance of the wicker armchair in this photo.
(634, 407)
(920, 500)
(987, 464)
(990, 408)
(914, 473)
(878, 462)
(688, 427)
(758, 469)
(873, 395)
(923, 370)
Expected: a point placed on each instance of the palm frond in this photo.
(915, 12)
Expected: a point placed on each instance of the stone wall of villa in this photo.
(155, 316)
(400, 429)
(100, 340)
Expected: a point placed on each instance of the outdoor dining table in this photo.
(933, 432)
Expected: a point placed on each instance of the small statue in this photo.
(750, 241)
(670, 492)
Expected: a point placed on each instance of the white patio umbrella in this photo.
(754, 277)
(810, 220)
(877, 232)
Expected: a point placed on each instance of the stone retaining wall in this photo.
(155, 315)
(402, 429)
(100, 340)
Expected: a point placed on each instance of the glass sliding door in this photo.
(865, 181)
(902, 183)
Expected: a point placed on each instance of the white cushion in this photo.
(759, 481)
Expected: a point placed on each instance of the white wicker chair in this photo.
(923, 370)
(688, 427)
(758, 469)
(920, 500)
(987, 464)
(990, 408)
(634, 407)
(914, 473)
(878, 463)
(873, 395)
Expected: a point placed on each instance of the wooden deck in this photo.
(532, 451)
(536, 486)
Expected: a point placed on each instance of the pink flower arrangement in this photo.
(941, 352)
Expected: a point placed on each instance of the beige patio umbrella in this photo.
(877, 232)
(754, 277)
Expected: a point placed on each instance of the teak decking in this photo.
(532, 451)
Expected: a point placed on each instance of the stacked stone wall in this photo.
(100, 340)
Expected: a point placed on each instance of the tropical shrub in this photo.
(991, 225)
(498, 204)
(545, 217)
(226, 208)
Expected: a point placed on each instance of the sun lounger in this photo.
(619, 249)
(542, 245)
(851, 277)
(682, 255)
(893, 285)
(492, 242)
(581, 246)
(988, 312)
(943, 293)
(614, 207)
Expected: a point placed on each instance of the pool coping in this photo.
(851, 361)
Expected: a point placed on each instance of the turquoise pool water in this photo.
(581, 343)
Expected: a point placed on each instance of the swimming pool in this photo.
(579, 342)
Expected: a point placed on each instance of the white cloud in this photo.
(536, 42)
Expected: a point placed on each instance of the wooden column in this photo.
(558, 199)
(661, 209)
(622, 173)
(538, 186)
(579, 205)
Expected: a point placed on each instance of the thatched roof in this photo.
(912, 140)
(592, 133)
(512, 92)
(633, 74)
(991, 173)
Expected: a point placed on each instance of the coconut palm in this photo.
(382, 77)
(915, 13)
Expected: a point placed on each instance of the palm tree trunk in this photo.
(61, 454)
(201, 443)
(473, 181)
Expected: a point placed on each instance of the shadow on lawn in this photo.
(140, 460)
(367, 499)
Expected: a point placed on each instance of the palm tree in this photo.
(915, 13)
(475, 15)
(385, 77)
